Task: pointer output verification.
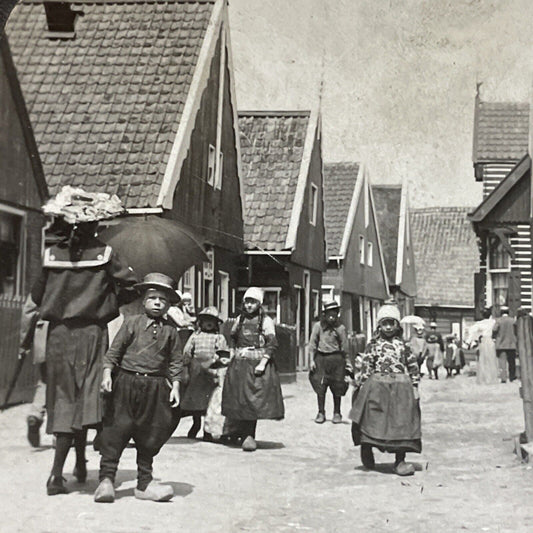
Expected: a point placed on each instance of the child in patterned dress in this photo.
(386, 412)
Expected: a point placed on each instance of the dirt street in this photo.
(304, 477)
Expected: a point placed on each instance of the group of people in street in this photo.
(166, 363)
(496, 343)
(430, 348)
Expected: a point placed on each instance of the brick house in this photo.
(284, 220)
(356, 275)
(22, 193)
(502, 220)
(447, 258)
(137, 99)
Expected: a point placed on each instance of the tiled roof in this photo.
(387, 201)
(500, 131)
(272, 146)
(446, 256)
(339, 185)
(105, 106)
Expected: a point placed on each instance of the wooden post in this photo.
(525, 352)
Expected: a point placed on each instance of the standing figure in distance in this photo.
(504, 334)
(435, 349)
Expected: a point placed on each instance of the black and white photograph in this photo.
(266, 266)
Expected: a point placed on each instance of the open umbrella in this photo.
(413, 320)
(154, 244)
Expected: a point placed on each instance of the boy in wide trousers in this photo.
(147, 359)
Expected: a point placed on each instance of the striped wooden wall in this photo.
(493, 173)
(522, 262)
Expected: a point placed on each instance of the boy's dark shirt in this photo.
(148, 346)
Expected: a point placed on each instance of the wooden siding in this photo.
(310, 249)
(360, 279)
(214, 213)
(493, 174)
(522, 262)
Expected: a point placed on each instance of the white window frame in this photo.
(187, 283)
(370, 254)
(328, 293)
(313, 204)
(223, 290)
(489, 295)
(211, 165)
(361, 249)
(18, 289)
(219, 170)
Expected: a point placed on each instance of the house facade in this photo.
(447, 258)
(137, 99)
(356, 274)
(284, 222)
(394, 221)
(22, 193)
(502, 220)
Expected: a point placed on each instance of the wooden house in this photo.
(284, 221)
(137, 99)
(502, 220)
(22, 193)
(446, 258)
(394, 221)
(356, 274)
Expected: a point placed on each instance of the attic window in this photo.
(313, 204)
(60, 18)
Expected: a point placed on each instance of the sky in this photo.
(397, 79)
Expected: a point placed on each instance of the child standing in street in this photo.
(201, 350)
(386, 413)
(451, 359)
(330, 363)
(252, 389)
(146, 356)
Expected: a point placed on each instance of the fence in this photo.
(10, 314)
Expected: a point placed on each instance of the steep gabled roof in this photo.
(107, 105)
(446, 256)
(276, 147)
(339, 185)
(503, 188)
(388, 199)
(500, 131)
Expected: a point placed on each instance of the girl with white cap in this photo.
(386, 413)
(252, 389)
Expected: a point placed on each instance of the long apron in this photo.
(74, 356)
(246, 396)
(386, 415)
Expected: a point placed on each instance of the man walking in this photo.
(504, 334)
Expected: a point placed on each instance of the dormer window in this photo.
(60, 18)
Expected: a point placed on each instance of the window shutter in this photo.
(514, 299)
(480, 284)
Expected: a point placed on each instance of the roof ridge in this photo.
(119, 1)
(275, 113)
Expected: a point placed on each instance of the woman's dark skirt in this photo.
(386, 415)
(74, 355)
(246, 396)
(329, 372)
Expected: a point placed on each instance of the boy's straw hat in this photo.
(162, 282)
(211, 312)
(331, 305)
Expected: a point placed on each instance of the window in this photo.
(361, 249)
(11, 252)
(328, 293)
(186, 283)
(313, 204)
(500, 288)
(499, 258)
(499, 262)
(315, 313)
(211, 166)
(223, 295)
(220, 168)
(370, 254)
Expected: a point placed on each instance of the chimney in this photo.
(60, 17)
